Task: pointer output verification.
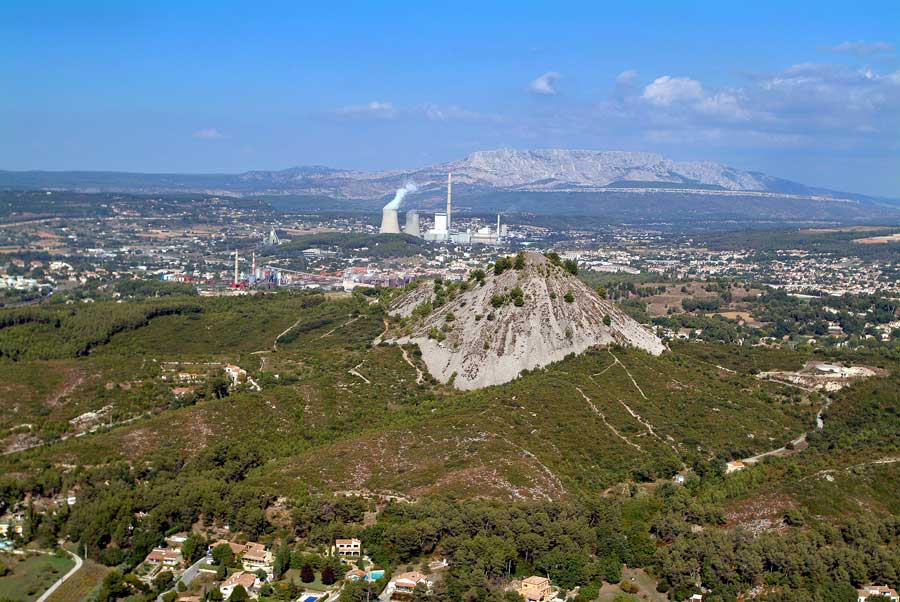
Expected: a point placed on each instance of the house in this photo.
(236, 548)
(535, 589)
(6, 528)
(405, 583)
(247, 580)
(348, 547)
(167, 557)
(356, 575)
(867, 591)
(235, 373)
(734, 466)
(696, 598)
(256, 557)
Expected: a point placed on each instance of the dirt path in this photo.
(606, 422)
(420, 378)
(552, 476)
(636, 386)
(888, 460)
(602, 372)
(73, 379)
(797, 445)
(336, 328)
(66, 437)
(651, 430)
(284, 332)
(355, 372)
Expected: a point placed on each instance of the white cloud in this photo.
(376, 108)
(861, 48)
(450, 113)
(627, 77)
(546, 83)
(667, 90)
(208, 134)
(431, 112)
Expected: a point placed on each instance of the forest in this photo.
(616, 506)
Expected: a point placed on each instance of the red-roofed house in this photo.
(247, 580)
(164, 557)
(868, 591)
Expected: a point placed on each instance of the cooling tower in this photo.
(389, 222)
(411, 226)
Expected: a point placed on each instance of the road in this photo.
(796, 444)
(189, 575)
(61, 580)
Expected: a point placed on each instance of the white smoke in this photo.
(401, 194)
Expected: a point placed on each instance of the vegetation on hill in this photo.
(563, 471)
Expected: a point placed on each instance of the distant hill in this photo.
(586, 179)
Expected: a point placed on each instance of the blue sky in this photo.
(803, 90)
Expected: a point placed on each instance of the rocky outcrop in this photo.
(518, 320)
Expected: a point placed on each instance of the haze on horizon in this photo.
(808, 92)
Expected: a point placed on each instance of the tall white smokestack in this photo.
(449, 198)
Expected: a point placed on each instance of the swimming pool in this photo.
(375, 575)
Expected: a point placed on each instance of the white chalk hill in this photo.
(485, 345)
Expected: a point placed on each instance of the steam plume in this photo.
(401, 194)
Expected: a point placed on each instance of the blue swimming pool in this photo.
(375, 575)
(310, 599)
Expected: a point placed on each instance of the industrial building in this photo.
(442, 230)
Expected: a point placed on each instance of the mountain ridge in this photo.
(498, 170)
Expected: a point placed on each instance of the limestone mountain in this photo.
(526, 316)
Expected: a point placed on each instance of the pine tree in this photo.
(282, 560)
(328, 575)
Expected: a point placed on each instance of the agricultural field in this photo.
(79, 586)
(25, 577)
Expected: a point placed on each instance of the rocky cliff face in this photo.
(518, 320)
(554, 168)
(507, 169)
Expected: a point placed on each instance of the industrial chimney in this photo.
(389, 222)
(449, 197)
(411, 226)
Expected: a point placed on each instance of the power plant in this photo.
(389, 222)
(443, 222)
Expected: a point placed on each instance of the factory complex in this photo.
(442, 231)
